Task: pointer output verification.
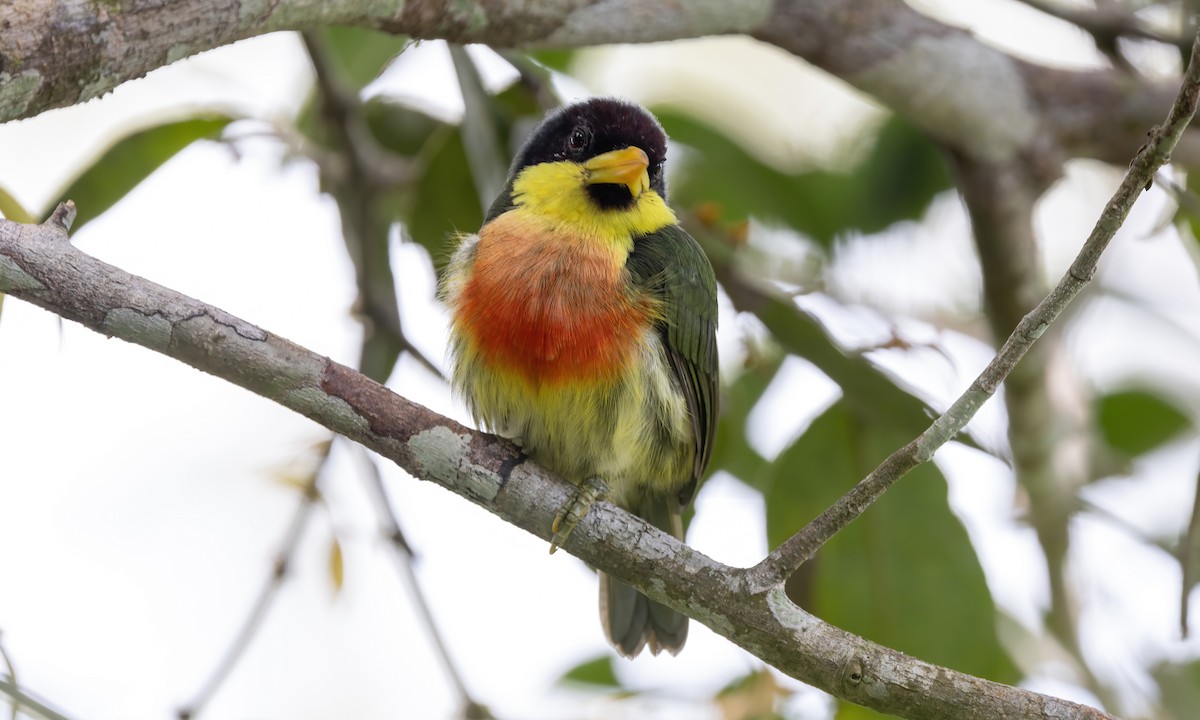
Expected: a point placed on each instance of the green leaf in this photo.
(360, 54)
(751, 697)
(403, 130)
(1189, 208)
(850, 711)
(356, 56)
(903, 173)
(479, 130)
(904, 574)
(1180, 687)
(445, 202)
(896, 181)
(731, 451)
(12, 209)
(598, 671)
(1137, 421)
(131, 160)
(560, 60)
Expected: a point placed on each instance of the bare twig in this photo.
(1107, 23)
(280, 568)
(361, 193)
(797, 549)
(1189, 558)
(12, 676)
(402, 552)
(30, 706)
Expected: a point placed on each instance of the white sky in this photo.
(138, 509)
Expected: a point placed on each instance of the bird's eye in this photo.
(579, 139)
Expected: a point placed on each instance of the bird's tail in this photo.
(632, 620)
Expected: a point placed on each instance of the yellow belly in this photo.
(632, 431)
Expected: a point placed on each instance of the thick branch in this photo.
(964, 93)
(40, 265)
(55, 53)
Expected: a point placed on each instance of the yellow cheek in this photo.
(556, 193)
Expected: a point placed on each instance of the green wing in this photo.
(669, 265)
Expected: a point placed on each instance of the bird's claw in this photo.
(586, 493)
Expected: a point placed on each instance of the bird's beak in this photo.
(620, 167)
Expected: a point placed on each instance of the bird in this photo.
(583, 326)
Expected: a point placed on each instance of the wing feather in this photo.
(670, 265)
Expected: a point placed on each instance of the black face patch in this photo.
(593, 127)
(611, 197)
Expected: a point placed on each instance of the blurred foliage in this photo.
(360, 55)
(896, 181)
(801, 333)
(754, 696)
(903, 568)
(12, 209)
(1134, 422)
(731, 452)
(1180, 686)
(129, 161)
(597, 672)
(559, 60)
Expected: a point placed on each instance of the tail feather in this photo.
(633, 621)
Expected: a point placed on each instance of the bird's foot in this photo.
(586, 493)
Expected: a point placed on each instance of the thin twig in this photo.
(30, 706)
(796, 550)
(371, 172)
(12, 675)
(402, 551)
(1105, 25)
(266, 596)
(1189, 558)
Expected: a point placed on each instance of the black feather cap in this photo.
(593, 127)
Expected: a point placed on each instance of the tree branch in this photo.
(362, 180)
(40, 265)
(389, 526)
(1106, 23)
(263, 602)
(30, 706)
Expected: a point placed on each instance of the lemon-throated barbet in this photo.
(583, 327)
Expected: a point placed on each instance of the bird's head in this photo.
(611, 149)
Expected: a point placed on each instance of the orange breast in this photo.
(549, 307)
